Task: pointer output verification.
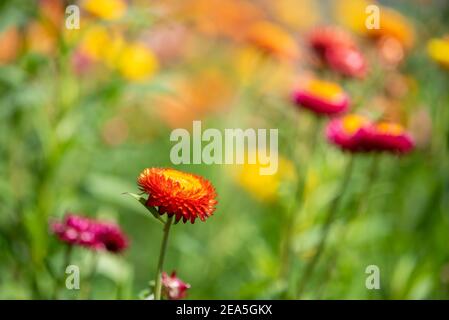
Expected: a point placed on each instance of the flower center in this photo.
(352, 123)
(186, 181)
(325, 90)
(390, 128)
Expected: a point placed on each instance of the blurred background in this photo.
(84, 111)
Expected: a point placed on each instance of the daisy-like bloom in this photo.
(179, 194)
(389, 137)
(106, 9)
(348, 132)
(273, 39)
(173, 288)
(337, 49)
(90, 233)
(438, 50)
(322, 97)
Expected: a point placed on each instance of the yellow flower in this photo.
(137, 62)
(438, 50)
(352, 13)
(265, 187)
(95, 42)
(106, 9)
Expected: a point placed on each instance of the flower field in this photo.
(120, 178)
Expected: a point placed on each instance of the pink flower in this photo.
(389, 137)
(356, 133)
(337, 49)
(324, 38)
(347, 61)
(90, 233)
(173, 287)
(322, 97)
(348, 132)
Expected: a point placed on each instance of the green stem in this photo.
(160, 265)
(333, 209)
(298, 196)
(372, 175)
(90, 278)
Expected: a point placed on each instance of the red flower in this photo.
(356, 133)
(338, 50)
(348, 132)
(389, 137)
(89, 233)
(173, 288)
(322, 97)
(322, 39)
(177, 193)
(347, 61)
(111, 237)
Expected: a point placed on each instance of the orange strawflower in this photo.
(273, 39)
(178, 194)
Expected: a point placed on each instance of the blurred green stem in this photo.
(372, 174)
(160, 265)
(91, 276)
(333, 209)
(298, 196)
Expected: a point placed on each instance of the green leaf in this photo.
(143, 201)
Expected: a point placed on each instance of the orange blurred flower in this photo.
(52, 12)
(273, 39)
(41, 38)
(394, 25)
(10, 43)
(230, 18)
(194, 97)
(178, 194)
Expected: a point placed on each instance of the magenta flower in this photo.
(356, 133)
(348, 132)
(322, 97)
(173, 287)
(389, 137)
(90, 233)
(336, 48)
(347, 61)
